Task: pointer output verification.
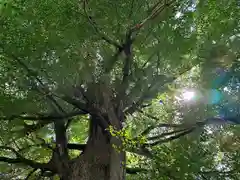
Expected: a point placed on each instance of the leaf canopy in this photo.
(58, 48)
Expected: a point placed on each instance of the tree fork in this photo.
(100, 159)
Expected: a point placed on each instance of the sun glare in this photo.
(188, 95)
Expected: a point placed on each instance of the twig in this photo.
(94, 25)
(131, 9)
(157, 9)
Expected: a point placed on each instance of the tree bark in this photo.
(100, 160)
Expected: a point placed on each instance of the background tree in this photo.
(84, 82)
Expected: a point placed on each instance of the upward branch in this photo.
(158, 8)
(154, 89)
(127, 49)
(131, 35)
(128, 60)
(154, 12)
(96, 28)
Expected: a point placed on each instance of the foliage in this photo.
(58, 58)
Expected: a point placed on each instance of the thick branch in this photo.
(135, 170)
(80, 147)
(127, 49)
(46, 120)
(21, 160)
(76, 103)
(141, 151)
(31, 128)
(37, 117)
(61, 144)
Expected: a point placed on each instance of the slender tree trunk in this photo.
(100, 160)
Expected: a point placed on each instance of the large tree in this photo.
(75, 70)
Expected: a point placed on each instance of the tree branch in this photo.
(21, 160)
(126, 67)
(31, 128)
(94, 25)
(80, 147)
(223, 120)
(34, 75)
(135, 170)
(76, 103)
(170, 138)
(149, 91)
(156, 10)
(142, 151)
(165, 125)
(214, 172)
(187, 127)
(128, 42)
(30, 174)
(139, 151)
(127, 49)
(165, 134)
(44, 90)
(43, 117)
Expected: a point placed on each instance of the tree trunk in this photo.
(100, 160)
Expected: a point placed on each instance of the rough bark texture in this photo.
(99, 161)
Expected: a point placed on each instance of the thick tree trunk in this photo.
(100, 160)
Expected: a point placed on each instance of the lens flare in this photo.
(188, 95)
